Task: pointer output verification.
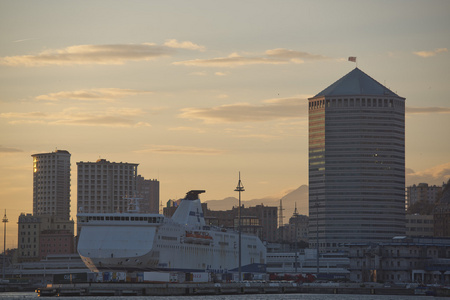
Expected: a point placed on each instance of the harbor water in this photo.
(32, 295)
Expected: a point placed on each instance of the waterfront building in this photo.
(304, 261)
(105, 187)
(41, 235)
(419, 225)
(422, 192)
(421, 260)
(51, 184)
(356, 163)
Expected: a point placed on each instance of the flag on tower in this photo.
(352, 58)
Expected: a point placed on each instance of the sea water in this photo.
(31, 295)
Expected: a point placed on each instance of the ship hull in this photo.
(167, 248)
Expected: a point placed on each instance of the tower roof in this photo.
(356, 83)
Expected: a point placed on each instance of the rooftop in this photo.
(356, 83)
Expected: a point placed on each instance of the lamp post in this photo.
(239, 188)
(5, 220)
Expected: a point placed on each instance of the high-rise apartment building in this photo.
(148, 194)
(51, 184)
(105, 187)
(356, 163)
(423, 192)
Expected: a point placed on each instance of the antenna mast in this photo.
(240, 188)
(5, 220)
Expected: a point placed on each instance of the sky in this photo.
(197, 91)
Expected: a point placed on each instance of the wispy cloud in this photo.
(272, 57)
(427, 110)
(294, 56)
(112, 117)
(273, 109)
(4, 149)
(430, 53)
(101, 94)
(435, 175)
(99, 54)
(185, 128)
(171, 149)
(183, 45)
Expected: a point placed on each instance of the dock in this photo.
(178, 289)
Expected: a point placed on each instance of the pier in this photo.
(178, 289)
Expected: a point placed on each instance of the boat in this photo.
(136, 242)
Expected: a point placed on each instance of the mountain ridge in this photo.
(298, 196)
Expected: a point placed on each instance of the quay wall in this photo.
(177, 289)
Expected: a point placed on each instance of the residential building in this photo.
(266, 227)
(105, 187)
(356, 163)
(441, 213)
(51, 184)
(28, 237)
(41, 235)
(56, 242)
(422, 192)
(147, 191)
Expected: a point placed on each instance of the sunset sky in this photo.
(196, 91)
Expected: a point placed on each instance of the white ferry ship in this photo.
(152, 242)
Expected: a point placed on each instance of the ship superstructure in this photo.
(152, 242)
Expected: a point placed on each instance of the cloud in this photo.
(91, 54)
(294, 55)
(200, 73)
(273, 57)
(435, 175)
(233, 60)
(113, 117)
(101, 94)
(9, 150)
(185, 128)
(171, 149)
(427, 110)
(430, 53)
(273, 109)
(221, 73)
(183, 45)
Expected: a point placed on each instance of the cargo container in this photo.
(156, 277)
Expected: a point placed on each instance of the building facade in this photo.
(356, 163)
(105, 187)
(39, 236)
(265, 227)
(422, 192)
(403, 260)
(148, 193)
(419, 225)
(51, 184)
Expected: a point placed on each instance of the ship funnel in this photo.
(190, 210)
(193, 194)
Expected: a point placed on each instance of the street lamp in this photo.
(239, 188)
